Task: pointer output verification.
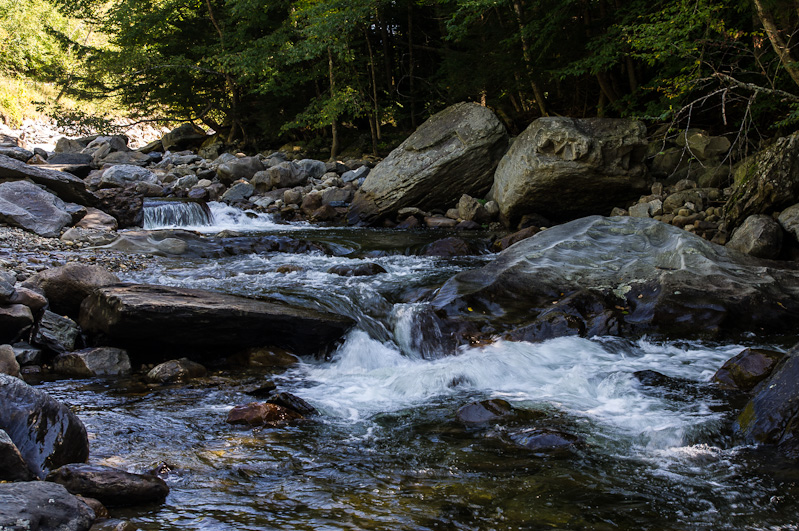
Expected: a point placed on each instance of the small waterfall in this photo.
(170, 213)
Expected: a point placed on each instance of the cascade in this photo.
(168, 213)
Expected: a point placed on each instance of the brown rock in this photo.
(261, 414)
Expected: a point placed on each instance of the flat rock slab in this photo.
(111, 486)
(42, 506)
(147, 318)
(47, 434)
(65, 185)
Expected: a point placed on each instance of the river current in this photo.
(386, 451)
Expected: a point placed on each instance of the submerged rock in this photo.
(545, 440)
(47, 434)
(150, 319)
(452, 153)
(619, 276)
(360, 270)
(484, 412)
(42, 506)
(261, 414)
(111, 486)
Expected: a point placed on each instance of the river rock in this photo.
(238, 192)
(185, 136)
(111, 486)
(46, 432)
(25, 205)
(619, 276)
(124, 204)
(506, 241)
(747, 369)
(146, 317)
(15, 320)
(759, 235)
(8, 361)
(12, 465)
(55, 332)
(261, 414)
(770, 416)
(294, 403)
(789, 220)
(124, 175)
(176, 371)
(100, 361)
(470, 209)
(452, 153)
(564, 168)
(66, 186)
(42, 506)
(545, 440)
(484, 412)
(359, 270)
(78, 159)
(97, 220)
(16, 152)
(766, 182)
(66, 286)
(452, 246)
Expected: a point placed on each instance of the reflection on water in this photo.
(386, 451)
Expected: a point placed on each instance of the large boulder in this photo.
(759, 235)
(124, 204)
(770, 416)
(185, 136)
(25, 205)
(564, 168)
(67, 186)
(239, 168)
(47, 434)
(453, 153)
(42, 506)
(124, 175)
(66, 286)
(619, 276)
(148, 318)
(766, 182)
(110, 485)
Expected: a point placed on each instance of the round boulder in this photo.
(66, 286)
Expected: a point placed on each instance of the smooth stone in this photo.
(8, 361)
(747, 369)
(359, 270)
(42, 506)
(261, 414)
(100, 361)
(66, 286)
(294, 403)
(111, 486)
(484, 411)
(172, 371)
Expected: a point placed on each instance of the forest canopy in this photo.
(260, 70)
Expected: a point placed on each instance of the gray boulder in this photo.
(47, 434)
(354, 175)
(42, 506)
(285, 175)
(15, 152)
(239, 168)
(759, 235)
(97, 220)
(111, 486)
(66, 286)
(176, 371)
(185, 136)
(67, 186)
(564, 168)
(124, 175)
(238, 192)
(100, 361)
(452, 153)
(147, 318)
(789, 220)
(25, 205)
(619, 276)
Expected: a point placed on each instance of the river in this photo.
(386, 451)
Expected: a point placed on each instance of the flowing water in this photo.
(386, 451)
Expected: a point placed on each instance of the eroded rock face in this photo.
(619, 276)
(564, 168)
(111, 486)
(767, 182)
(47, 434)
(452, 153)
(149, 318)
(42, 506)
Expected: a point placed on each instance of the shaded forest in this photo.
(336, 71)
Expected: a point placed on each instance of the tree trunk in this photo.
(410, 67)
(334, 124)
(373, 77)
(537, 93)
(777, 41)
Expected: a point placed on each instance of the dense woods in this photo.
(336, 71)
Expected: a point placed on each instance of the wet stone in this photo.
(484, 412)
(545, 440)
(261, 414)
(360, 270)
(176, 371)
(747, 369)
(294, 403)
(111, 486)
